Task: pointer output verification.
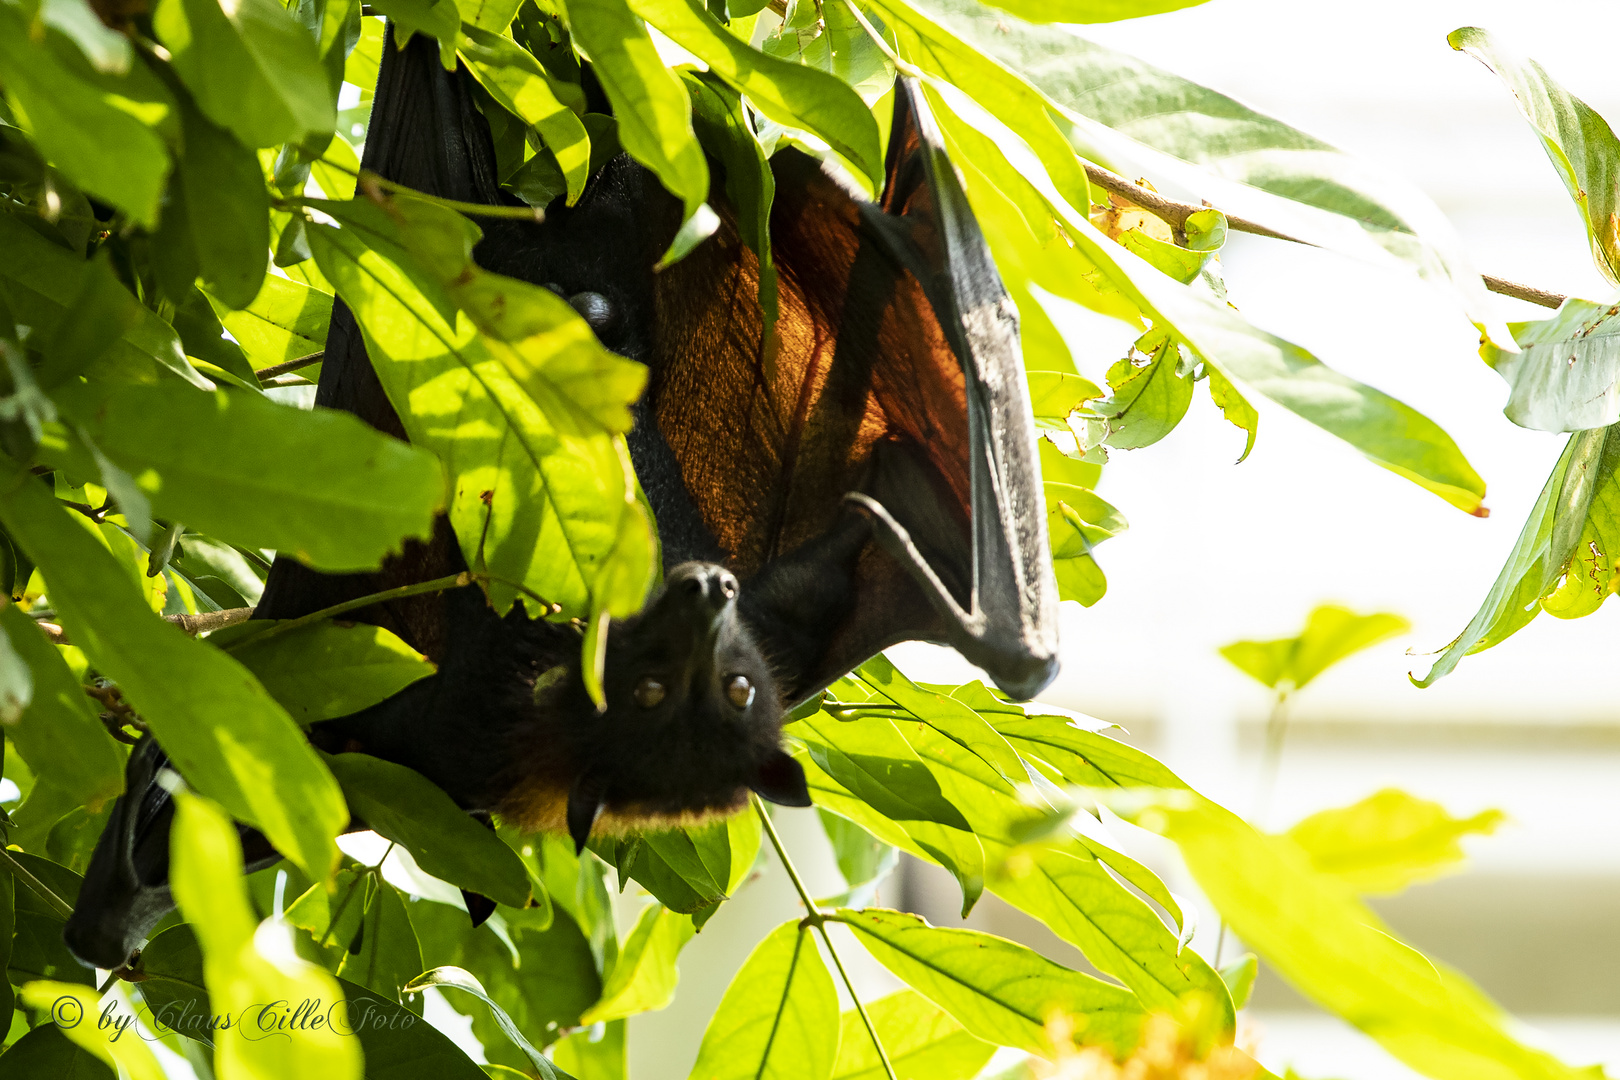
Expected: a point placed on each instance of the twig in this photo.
(818, 919)
(201, 623)
(1176, 213)
(452, 581)
(372, 186)
(290, 365)
(36, 886)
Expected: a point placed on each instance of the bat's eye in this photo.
(595, 309)
(739, 691)
(649, 693)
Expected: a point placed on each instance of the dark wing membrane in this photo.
(895, 375)
(427, 134)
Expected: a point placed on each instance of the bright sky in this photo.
(1218, 552)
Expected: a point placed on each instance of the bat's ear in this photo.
(584, 807)
(781, 780)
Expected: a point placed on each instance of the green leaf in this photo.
(643, 977)
(45, 1051)
(388, 956)
(222, 731)
(1239, 977)
(1561, 562)
(1147, 402)
(261, 474)
(407, 808)
(43, 283)
(922, 1041)
(397, 1044)
(60, 735)
(439, 19)
(1389, 432)
(791, 94)
(1564, 378)
(541, 978)
(1235, 407)
(1388, 841)
(723, 124)
(229, 209)
(834, 42)
(999, 991)
(206, 876)
(997, 88)
(286, 320)
(250, 67)
(70, 999)
(561, 514)
(464, 980)
(654, 113)
(1337, 952)
(1331, 634)
(325, 669)
(872, 759)
(1244, 161)
(1577, 140)
(491, 15)
(778, 1019)
(1092, 11)
(101, 138)
(863, 860)
(519, 82)
(38, 951)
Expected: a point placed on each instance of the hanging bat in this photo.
(875, 482)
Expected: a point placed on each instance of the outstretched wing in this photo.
(894, 395)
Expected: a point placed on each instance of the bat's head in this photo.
(693, 718)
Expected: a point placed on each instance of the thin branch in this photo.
(1175, 214)
(372, 187)
(290, 365)
(452, 581)
(201, 623)
(818, 919)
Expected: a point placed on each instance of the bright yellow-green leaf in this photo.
(644, 975)
(922, 1041)
(245, 966)
(1337, 952)
(543, 491)
(999, 990)
(250, 67)
(59, 734)
(654, 113)
(1388, 841)
(791, 94)
(325, 669)
(518, 81)
(1331, 633)
(254, 472)
(74, 1009)
(222, 731)
(286, 320)
(101, 139)
(779, 1017)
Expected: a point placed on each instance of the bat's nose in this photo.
(705, 585)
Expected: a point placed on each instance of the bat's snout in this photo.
(703, 587)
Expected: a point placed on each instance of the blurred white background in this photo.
(1218, 552)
